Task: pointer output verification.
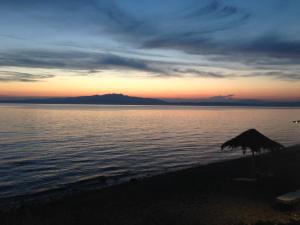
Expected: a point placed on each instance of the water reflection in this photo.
(46, 146)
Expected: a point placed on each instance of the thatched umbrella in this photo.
(254, 141)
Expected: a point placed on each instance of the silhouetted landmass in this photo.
(242, 103)
(120, 99)
(109, 99)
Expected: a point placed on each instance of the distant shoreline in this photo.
(167, 104)
(119, 99)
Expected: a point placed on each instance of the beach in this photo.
(161, 112)
(206, 195)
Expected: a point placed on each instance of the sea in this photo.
(53, 147)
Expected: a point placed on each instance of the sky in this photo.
(158, 48)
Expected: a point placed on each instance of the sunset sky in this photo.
(158, 48)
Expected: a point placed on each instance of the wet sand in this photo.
(205, 195)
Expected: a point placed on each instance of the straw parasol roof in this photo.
(253, 140)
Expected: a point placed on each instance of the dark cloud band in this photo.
(220, 31)
(9, 76)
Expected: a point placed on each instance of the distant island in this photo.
(109, 99)
(120, 99)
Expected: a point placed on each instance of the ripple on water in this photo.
(45, 147)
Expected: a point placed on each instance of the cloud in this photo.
(189, 30)
(91, 62)
(222, 98)
(227, 34)
(196, 29)
(70, 60)
(9, 76)
(215, 29)
(279, 75)
(270, 50)
(199, 73)
(274, 46)
(87, 63)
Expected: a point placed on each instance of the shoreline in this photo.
(96, 183)
(203, 194)
(160, 105)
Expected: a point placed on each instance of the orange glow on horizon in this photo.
(154, 87)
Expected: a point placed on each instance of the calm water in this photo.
(49, 146)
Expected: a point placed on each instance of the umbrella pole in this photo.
(253, 166)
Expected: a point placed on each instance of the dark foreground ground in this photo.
(204, 195)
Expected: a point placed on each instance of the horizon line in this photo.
(219, 98)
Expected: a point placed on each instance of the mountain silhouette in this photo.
(118, 99)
